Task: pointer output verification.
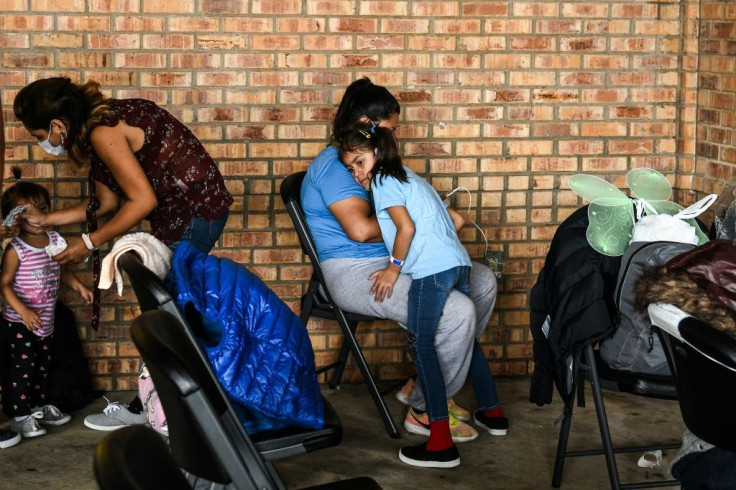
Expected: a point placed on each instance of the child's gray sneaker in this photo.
(53, 416)
(114, 416)
(28, 427)
(8, 438)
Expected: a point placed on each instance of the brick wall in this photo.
(715, 149)
(507, 99)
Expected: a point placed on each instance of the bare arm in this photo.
(457, 219)
(386, 278)
(114, 146)
(72, 280)
(77, 213)
(354, 216)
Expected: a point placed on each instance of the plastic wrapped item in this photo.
(725, 213)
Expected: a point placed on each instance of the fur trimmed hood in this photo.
(701, 282)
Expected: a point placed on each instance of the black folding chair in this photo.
(703, 361)
(587, 366)
(318, 302)
(274, 444)
(136, 457)
(206, 439)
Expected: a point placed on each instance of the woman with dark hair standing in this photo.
(143, 163)
(137, 153)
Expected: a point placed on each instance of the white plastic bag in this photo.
(663, 227)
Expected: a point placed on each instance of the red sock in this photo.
(496, 412)
(439, 436)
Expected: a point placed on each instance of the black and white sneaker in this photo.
(496, 426)
(8, 438)
(419, 456)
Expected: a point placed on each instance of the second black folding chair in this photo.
(273, 445)
(207, 440)
(318, 302)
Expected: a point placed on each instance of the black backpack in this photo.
(634, 346)
(69, 383)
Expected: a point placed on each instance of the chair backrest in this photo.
(704, 364)
(205, 439)
(149, 289)
(291, 189)
(136, 457)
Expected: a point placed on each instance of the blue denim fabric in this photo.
(202, 234)
(482, 380)
(427, 298)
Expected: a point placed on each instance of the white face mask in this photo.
(51, 149)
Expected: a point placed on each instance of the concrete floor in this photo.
(521, 460)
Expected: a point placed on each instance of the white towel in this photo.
(153, 253)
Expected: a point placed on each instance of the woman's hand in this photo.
(33, 217)
(75, 251)
(384, 284)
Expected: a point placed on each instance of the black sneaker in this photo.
(419, 456)
(496, 426)
(8, 438)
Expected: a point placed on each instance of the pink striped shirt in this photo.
(36, 283)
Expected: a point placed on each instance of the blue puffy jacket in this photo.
(264, 358)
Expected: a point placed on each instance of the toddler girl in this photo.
(29, 283)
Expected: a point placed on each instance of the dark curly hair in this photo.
(22, 191)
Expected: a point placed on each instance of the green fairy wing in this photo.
(610, 228)
(610, 214)
(648, 184)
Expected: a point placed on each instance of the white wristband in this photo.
(88, 242)
(396, 261)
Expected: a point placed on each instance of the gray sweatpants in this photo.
(463, 319)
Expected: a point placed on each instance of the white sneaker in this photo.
(53, 416)
(114, 416)
(28, 427)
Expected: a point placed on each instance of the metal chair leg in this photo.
(600, 411)
(339, 365)
(565, 430)
(368, 378)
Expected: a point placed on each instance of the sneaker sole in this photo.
(493, 432)
(106, 428)
(37, 433)
(429, 464)
(402, 398)
(10, 442)
(55, 422)
(421, 431)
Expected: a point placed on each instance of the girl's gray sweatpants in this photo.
(463, 319)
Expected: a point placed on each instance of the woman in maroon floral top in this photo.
(143, 164)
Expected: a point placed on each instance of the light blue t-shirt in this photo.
(327, 182)
(435, 246)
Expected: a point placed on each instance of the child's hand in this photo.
(31, 320)
(384, 284)
(9, 231)
(86, 294)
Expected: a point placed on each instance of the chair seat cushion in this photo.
(651, 385)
